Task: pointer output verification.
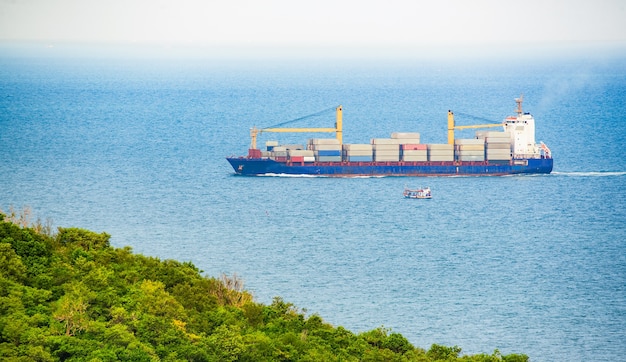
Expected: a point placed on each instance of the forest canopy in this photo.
(69, 295)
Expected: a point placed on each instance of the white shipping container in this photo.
(358, 153)
(480, 147)
(300, 153)
(440, 146)
(385, 147)
(357, 146)
(387, 153)
(415, 152)
(469, 141)
(498, 140)
(498, 156)
(385, 141)
(324, 147)
(408, 141)
(271, 143)
(414, 158)
(498, 146)
(309, 158)
(471, 158)
(471, 153)
(401, 135)
(496, 134)
(498, 152)
(441, 152)
(386, 158)
(438, 158)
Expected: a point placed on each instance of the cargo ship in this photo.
(511, 151)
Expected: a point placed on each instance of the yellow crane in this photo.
(452, 127)
(254, 132)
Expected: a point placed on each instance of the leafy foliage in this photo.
(73, 297)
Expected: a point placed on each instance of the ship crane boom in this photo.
(338, 129)
(452, 127)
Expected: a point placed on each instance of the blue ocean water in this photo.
(525, 264)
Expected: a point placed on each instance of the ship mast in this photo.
(519, 101)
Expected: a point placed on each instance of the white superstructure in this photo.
(522, 130)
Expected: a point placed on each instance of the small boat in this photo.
(421, 193)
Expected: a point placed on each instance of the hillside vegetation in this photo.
(70, 296)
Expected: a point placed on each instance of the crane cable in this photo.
(303, 117)
(475, 117)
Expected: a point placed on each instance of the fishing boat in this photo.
(421, 193)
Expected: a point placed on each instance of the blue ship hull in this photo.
(264, 166)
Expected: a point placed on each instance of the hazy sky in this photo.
(284, 23)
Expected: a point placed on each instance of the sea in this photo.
(136, 147)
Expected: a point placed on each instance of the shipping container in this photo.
(386, 154)
(357, 147)
(498, 140)
(254, 152)
(495, 134)
(464, 147)
(293, 147)
(415, 158)
(441, 152)
(394, 158)
(329, 158)
(385, 141)
(385, 147)
(359, 158)
(413, 146)
(498, 155)
(358, 153)
(322, 153)
(439, 158)
(440, 146)
(405, 135)
(498, 146)
(325, 147)
(415, 152)
(471, 158)
(471, 153)
(469, 141)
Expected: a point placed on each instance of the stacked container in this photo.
(386, 149)
(497, 145)
(471, 149)
(301, 155)
(358, 152)
(325, 149)
(406, 137)
(270, 145)
(440, 152)
(279, 153)
(414, 152)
